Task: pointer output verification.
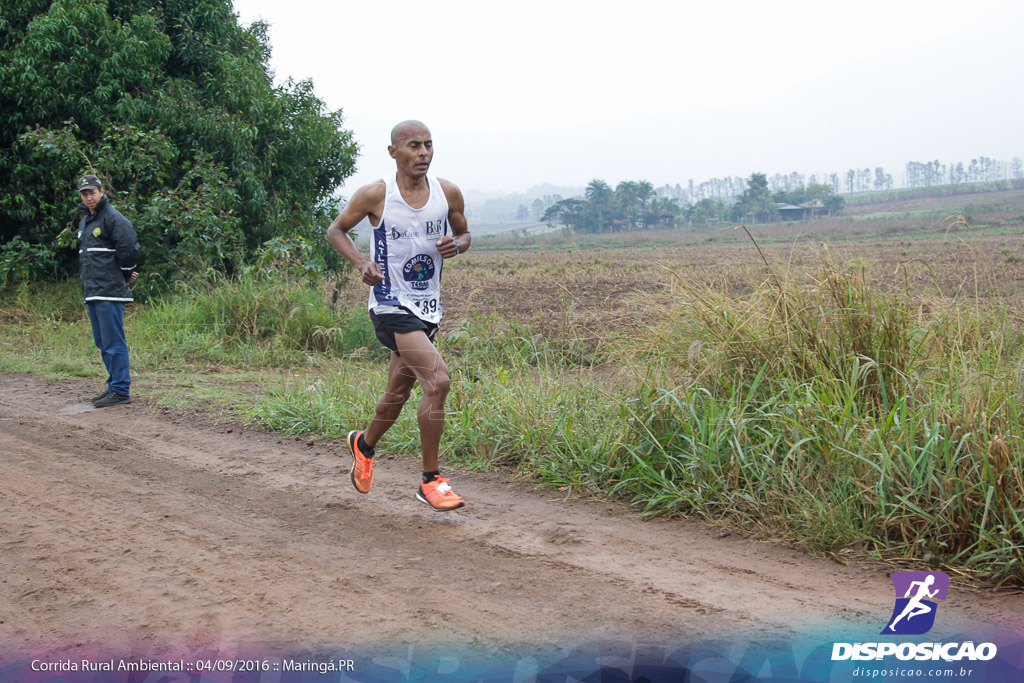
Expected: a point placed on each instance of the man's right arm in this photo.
(367, 201)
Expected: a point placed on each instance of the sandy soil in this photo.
(135, 528)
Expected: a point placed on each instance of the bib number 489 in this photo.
(428, 306)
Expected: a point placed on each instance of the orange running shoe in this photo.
(439, 495)
(362, 467)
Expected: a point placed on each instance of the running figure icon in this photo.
(915, 607)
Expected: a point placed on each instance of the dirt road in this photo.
(133, 528)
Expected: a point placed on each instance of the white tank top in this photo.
(405, 247)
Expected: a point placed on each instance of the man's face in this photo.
(91, 197)
(413, 152)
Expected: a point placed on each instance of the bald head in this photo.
(412, 149)
(406, 128)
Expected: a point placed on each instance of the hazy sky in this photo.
(517, 94)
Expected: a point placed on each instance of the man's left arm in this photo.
(460, 239)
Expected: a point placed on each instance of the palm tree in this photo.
(644, 191)
(721, 208)
(600, 195)
(626, 197)
(665, 206)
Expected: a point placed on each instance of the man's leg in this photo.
(97, 336)
(420, 359)
(390, 405)
(361, 443)
(112, 318)
(110, 315)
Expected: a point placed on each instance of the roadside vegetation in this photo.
(861, 400)
(184, 123)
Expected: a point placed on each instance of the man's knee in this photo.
(438, 385)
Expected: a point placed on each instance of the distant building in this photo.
(816, 208)
(791, 212)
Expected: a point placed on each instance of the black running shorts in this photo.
(389, 324)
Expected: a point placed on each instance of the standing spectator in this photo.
(108, 253)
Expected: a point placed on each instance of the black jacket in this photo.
(108, 252)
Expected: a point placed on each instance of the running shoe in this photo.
(362, 467)
(439, 495)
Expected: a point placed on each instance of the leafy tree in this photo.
(634, 202)
(173, 104)
(537, 209)
(721, 209)
(864, 180)
(883, 180)
(573, 213)
(702, 210)
(802, 195)
(827, 194)
(756, 201)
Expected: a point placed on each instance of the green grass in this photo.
(838, 412)
(901, 215)
(243, 323)
(249, 322)
(514, 399)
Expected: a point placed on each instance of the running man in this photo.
(915, 607)
(412, 214)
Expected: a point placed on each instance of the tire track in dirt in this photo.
(134, 528)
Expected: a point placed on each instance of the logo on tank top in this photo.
(433, 229)
(408, 234)
(418, 271)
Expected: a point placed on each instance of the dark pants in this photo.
(107, 318)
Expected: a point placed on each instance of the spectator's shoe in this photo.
(106, 393)
(439, 495)
(112, 399)
(362, 466)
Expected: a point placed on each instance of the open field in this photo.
(921, 245)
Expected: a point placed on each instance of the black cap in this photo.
(87, 181)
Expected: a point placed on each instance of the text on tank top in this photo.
(405, 248)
